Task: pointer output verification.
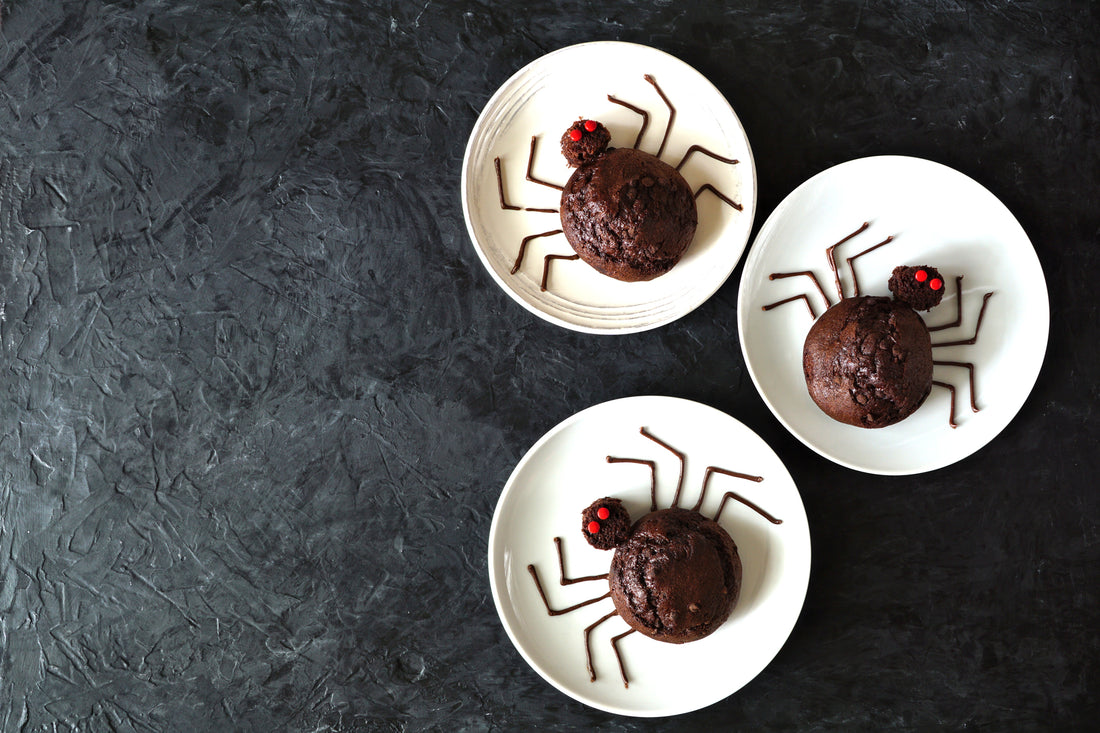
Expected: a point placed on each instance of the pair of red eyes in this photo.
(576, 133)
(602, 513)
(935, 283)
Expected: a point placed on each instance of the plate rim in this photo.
(779, 212)
(610, 330)
(494, 539)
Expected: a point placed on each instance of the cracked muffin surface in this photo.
(868, 362)
(677, 578)
(628, 214)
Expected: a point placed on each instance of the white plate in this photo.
(564, 472)
(940, 218)
(545, 98)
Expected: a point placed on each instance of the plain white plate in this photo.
(564, 472)
(940, 218)
(544, 99)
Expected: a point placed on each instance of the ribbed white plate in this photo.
(543, 99)
(940, 218)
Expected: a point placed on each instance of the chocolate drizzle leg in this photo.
(958, 308)
(951, 389)
(530, 163)
(671, 112)
(678, 454)
(961, 342)
(700, 149)
(500, 188)
(619, 657)
(829, 253)
(546, 267)
(639, 110)
(588, 644)
(807, 273)
(706, 186)
(507, 206)
(800, 296)
(563, 580)
(973, 339)
(747, 477)
(731, 495)
(970, 368)
(719, 194)
(653, 474)
(855, 279)
(523, 249)
(558, 612)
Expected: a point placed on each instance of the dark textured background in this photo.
(258, 395)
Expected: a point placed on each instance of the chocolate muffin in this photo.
(868, 361)
(628, 214)
(677, 578)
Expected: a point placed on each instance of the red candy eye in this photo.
(603, 513)
(921, 276)
(593, 527)
(936, 283)
(574, 135)
(590, 125)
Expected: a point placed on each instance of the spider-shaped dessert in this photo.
(625, 212)
(868, 360)
(675, 575)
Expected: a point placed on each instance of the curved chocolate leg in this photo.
(678, 454)
(706, 186)
(977, 327)
(500, 187)
(809, 274)
(523, 247)
(652, 472)
(832, 258)
(719, 194)
(618, 656)
(700, 149)
(958, 308)
(561, 569)
(730, 495)
(970, 368)
(803, 296)
(671, 112)
(559, 612)
(639, 110)
(507, 206)
(588, 644)
(855, 280)
(546, 267)
(716, 469)
(531, 161)
(951, 389)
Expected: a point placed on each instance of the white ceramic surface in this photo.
(544, 99)
(564, 472)
(940, 218)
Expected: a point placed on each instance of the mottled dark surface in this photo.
(259, 396)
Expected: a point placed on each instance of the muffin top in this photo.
(677, 578)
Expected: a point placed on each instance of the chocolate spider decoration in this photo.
(625, 212)
(675, 575)
(868, 360)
